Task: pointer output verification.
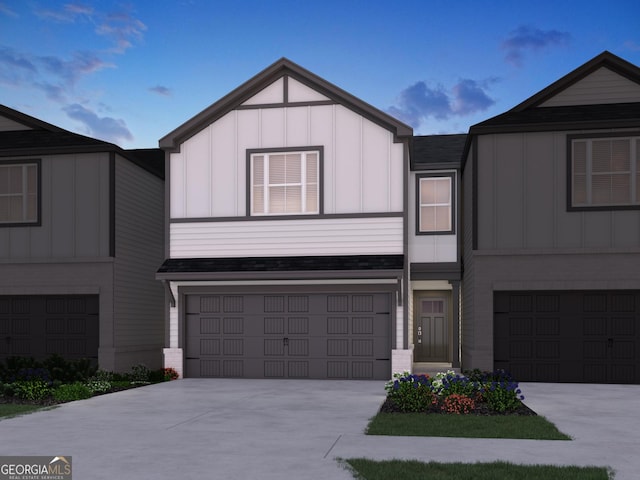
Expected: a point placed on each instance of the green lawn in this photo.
(471, 426)
(8, 410)
(414, 470)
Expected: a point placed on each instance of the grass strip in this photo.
(366, 469)
(8, 410)
(464, 426)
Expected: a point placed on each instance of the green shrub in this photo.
(68, 371)
(140, 374)
(34, 390)
(101, 382)
(69, 392)
(410, 393)
(169, 374)
(503, 396)
(98, 386)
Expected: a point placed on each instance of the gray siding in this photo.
(139, 298)
(74, 213)
(72, 278)
(467, 327)
(522, 201)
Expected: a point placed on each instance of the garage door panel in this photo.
(290, 336)
(38, 326)
(571, 336)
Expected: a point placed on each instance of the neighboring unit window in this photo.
(285, 183)
(18, 193)
(605, 172)
(435, 204)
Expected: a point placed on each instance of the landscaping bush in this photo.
(483, 393)
(35, 390)
(458, 404)
(68, 371)
(170, 374)
(140, 374)
(449, 383)
(68, 392)
(410, 393)
(101, 382)
(503, 396)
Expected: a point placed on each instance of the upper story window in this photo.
(19, 190)
(605, 172)
(285, 182)
(435, 212)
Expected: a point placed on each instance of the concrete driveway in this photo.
(274, 429)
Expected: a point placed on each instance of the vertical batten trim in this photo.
(210, 170)
(523, 188)
(362, 207)
(112, 204)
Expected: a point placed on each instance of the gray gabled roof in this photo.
(282, 67)
(430, 152)
(46, 139)
(528, 116)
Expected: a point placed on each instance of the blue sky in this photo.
(130, 72)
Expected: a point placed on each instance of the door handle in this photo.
(610, 342)
(285, 341)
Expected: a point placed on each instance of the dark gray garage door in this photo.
(315, 335)
(38, 326)
(587, 336)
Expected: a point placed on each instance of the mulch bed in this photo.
(482, 408)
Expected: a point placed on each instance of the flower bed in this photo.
(56, 380)
(479, 393)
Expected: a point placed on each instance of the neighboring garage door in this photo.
(317, 335)
(39, 326)
(582, 336)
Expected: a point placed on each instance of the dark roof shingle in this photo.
(432, 151)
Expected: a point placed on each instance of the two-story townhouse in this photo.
(552, 231)
(435, 269)
(286, 234)
(81, 236)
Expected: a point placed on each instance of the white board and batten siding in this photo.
(430, 248)
(362, 166)
(601, 87)
(362, 174)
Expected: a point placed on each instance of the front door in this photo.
(431, 329)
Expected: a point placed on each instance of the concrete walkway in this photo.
(281, 429)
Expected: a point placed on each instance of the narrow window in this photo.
(435, 204)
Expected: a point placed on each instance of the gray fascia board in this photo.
(553, 127)
(283, 275)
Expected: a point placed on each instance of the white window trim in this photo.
(303, 184)
(588, 140)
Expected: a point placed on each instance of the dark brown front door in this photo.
(431, 329)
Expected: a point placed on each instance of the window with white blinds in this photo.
(605, 172)
(435, 204)
(285, 183)
(18, 193)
